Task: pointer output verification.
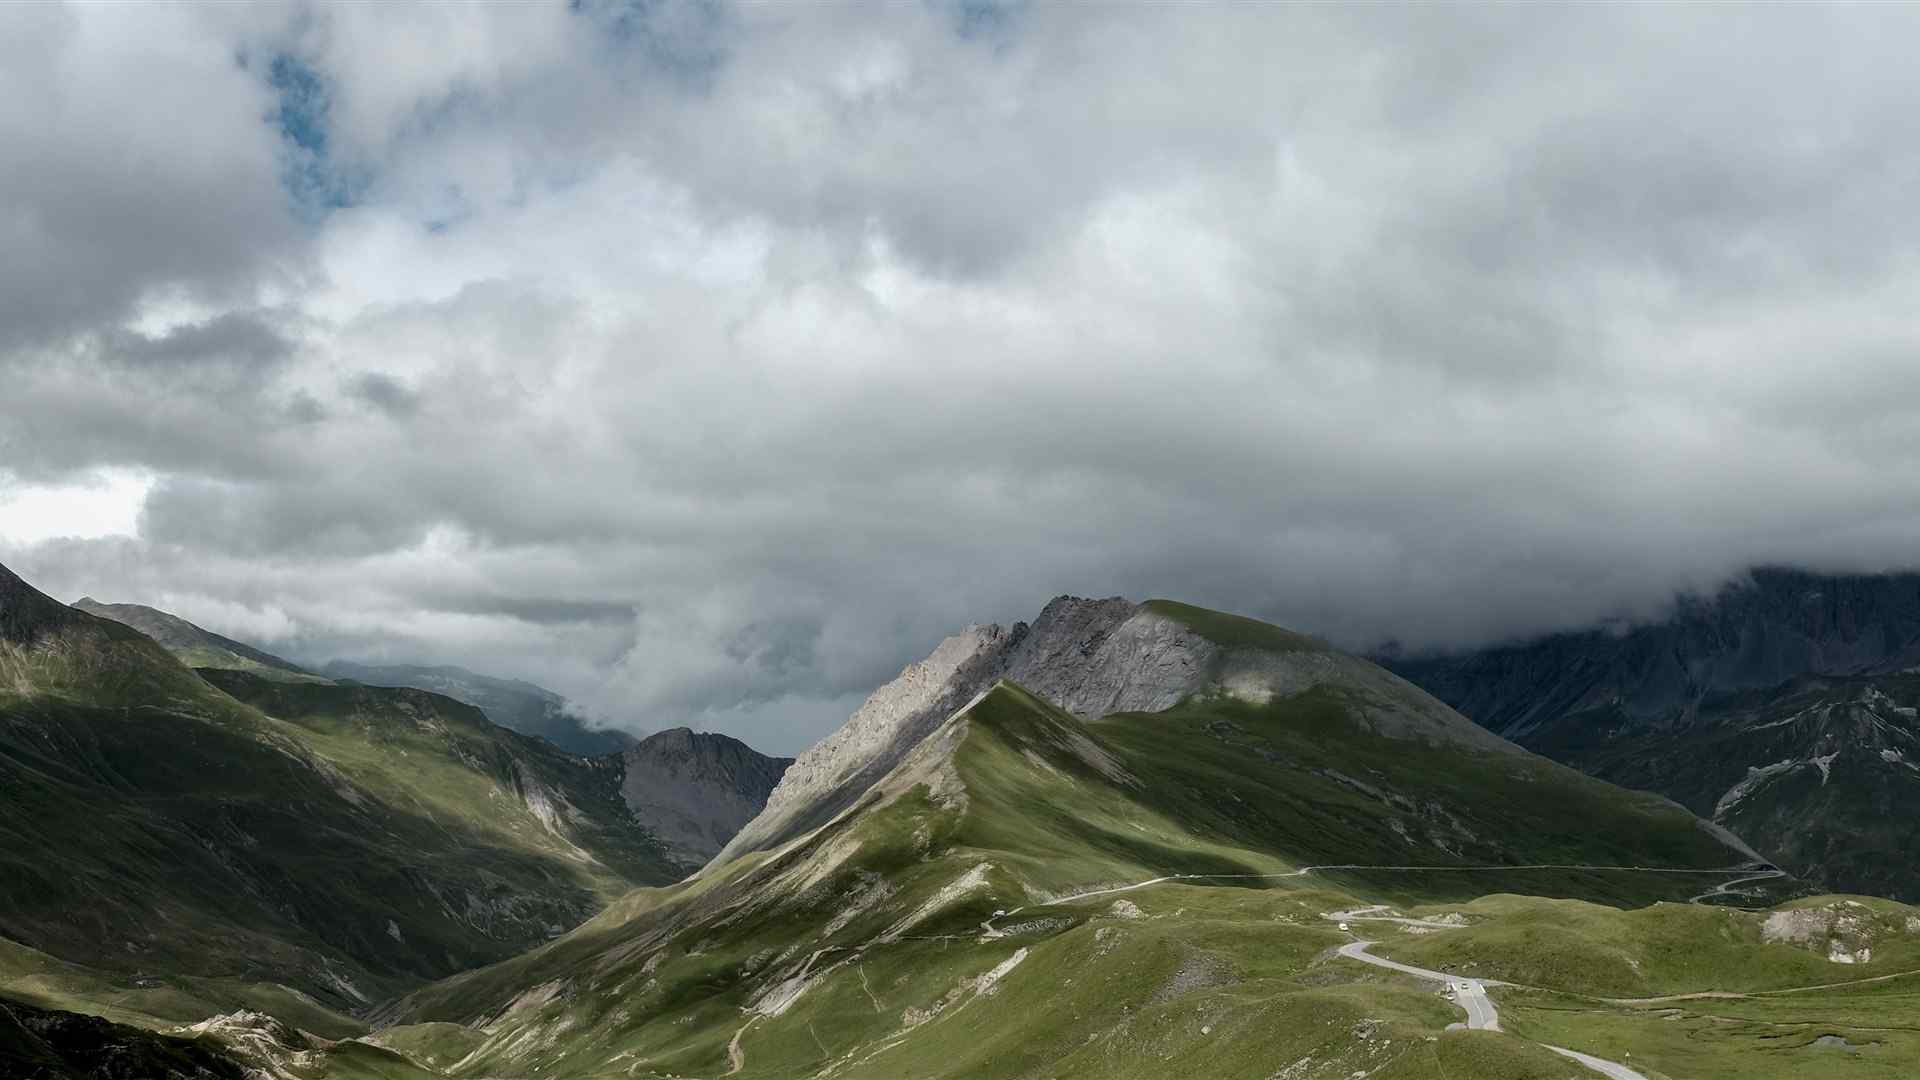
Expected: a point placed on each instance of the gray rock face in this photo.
(695, 790)
(1094, 657)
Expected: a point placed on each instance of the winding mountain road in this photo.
(1727, 888)
(1471, 994)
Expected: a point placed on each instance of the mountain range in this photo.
(1125, 840)
(1141, 870)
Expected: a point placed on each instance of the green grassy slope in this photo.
(153, 826)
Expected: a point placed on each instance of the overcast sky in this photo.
(708, 363)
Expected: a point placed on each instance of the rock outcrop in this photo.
(1094, 657)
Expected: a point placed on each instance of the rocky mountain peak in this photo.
(1091, 658)
(695, 789)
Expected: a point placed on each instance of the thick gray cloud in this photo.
(709, 363)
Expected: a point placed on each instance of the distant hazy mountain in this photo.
(511, 703)
(1778, 707)
(196, 647)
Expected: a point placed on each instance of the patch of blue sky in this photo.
(682, 40)
(317, 181)
(988, 21)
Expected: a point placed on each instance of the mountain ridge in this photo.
(1093, 657)
(195, 646)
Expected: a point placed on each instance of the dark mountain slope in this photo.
(1778, 707)
(45, 1044)
(1821, 774)
(367, 840)
(1773, 626)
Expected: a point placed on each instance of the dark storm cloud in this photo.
(134, 166)
(200, 396)
(708, 363)
(383, 392)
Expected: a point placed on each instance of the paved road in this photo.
(1727, 888)
(1482, 1013)
(1371, 914)
(1612, 1069)
(1470, 994)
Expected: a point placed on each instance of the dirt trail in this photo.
(737, 1057)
